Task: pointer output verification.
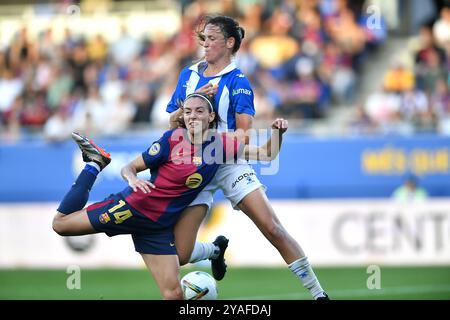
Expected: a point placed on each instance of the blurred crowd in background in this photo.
(302, 57)
(414, 95)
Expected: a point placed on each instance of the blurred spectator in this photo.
(184, 42)
(263, 105)
(246, 61)
(441, 28)
(414, 102)
(309, 30)
(119, 116)
(230, 8)
(159, 116)
(126, 48)
(60, 85)
(140, 90)
(431, 72)
(78, 60)
(90, 114)
(410, 191)
(97, 48)
(252, 19)
(399, 78)
(361, 123)
(426, 122)
(274, 46)
(440, 99)
(113, 86)
(427, 56)
(59, 126)
(426, 44)
(383, 106)
(351, 41)
(301, 96)
(336, 70)
(10, 88)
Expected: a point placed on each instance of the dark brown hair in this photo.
(228, 26)
(210, 104)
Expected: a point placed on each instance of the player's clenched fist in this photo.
(280, 124)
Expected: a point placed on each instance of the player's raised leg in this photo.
(75, 224)
(71, 218)
(165, 269)
(257, 207)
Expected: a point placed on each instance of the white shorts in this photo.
(235, 180)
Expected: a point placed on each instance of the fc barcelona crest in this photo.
(104, 218)
(197, 161)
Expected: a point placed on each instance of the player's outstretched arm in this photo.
(129, 174)
(269, 151)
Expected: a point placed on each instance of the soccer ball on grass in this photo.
(199, 285)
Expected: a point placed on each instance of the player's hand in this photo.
(280, 124)
(209, 88)
(144, 185)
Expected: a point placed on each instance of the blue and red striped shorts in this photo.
(115, 216)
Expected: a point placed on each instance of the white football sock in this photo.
(303, 270)
(204, 251)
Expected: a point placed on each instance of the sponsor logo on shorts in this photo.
(247, 176)
(104, 218)
(194, 181)
(154, 149)
(172, 244)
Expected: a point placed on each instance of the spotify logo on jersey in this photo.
(194, 181)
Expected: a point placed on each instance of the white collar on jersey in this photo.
(226, 70)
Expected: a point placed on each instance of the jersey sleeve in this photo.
(242, 97)
(158, 152)
(179, 93)
(232, 148)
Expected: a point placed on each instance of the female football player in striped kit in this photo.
(216, 74)
(148, 210)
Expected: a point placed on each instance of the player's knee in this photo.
(274, 232)
(183, 258)
(59, 226)
(173, 294)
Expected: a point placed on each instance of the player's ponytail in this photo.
(241, 32)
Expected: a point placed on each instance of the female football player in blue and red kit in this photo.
(148, 210)
(218, 75)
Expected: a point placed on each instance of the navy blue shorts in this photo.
(114, 216)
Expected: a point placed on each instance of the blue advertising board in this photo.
(36, 171)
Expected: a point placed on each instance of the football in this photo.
(199, 285)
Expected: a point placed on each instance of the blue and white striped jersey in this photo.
(234, 93)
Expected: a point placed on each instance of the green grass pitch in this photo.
(239, 283)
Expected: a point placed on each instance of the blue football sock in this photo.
(78, 195)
